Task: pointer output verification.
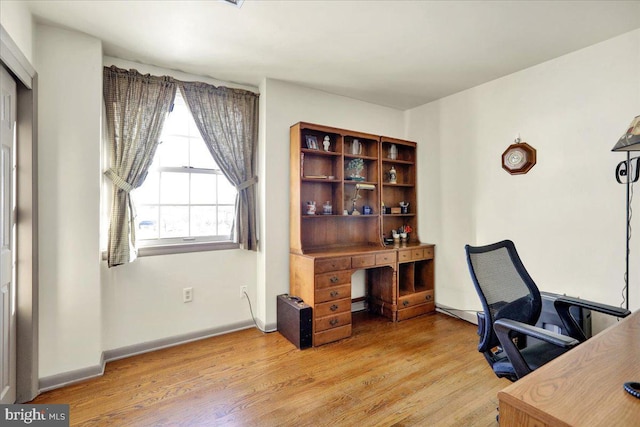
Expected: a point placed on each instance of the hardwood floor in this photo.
(421, 372)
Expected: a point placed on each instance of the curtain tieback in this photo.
(248, 183)
(118, 181)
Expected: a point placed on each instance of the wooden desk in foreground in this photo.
(583, 387)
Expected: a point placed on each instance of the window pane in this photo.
(174, 152)
(226, 191)
(203, 221)
(174, 188)
(174, 124)
(147, 220)
(175, 204)
(174, 221)
(203, 188)
(200, 155)
(148, 192)
(225, 220)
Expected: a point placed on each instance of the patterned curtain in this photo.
(136, 107)
(228, 122)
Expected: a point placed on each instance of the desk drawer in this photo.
(404, 256)
(335, 321)
(415, 299)
(386, 258)
(362, 261)
(332, 294)
(333, 279)
(417, 254)
(332, 264)
(428, 253)
(333, 307)
(416, 310)
(331, 335)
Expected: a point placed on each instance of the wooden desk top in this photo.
(583, 387)
(359, 250)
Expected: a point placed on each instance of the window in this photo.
(185, 197)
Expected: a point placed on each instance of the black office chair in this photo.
(512, 304)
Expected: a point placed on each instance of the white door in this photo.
(7, 239)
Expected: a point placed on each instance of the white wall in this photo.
(142, 301)
(567, 215)
(16, 18)
(69, 65)
(285, 105)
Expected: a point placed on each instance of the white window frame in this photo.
(201, 242)
(165, 246)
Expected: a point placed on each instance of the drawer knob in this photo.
(428, 297)
(334, 294)
(334, 279)
(334, 322)
(405, 303)
(334, 307)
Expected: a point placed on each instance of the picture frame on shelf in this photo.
(312, 142)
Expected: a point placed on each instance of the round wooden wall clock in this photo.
(519, 158)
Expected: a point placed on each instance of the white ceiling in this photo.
(390, 52)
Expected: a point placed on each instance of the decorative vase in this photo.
(311, 208)
(356, 147)
(393, 177)
(393, 152)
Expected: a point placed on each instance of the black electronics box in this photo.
(294, 320)
(550, 320)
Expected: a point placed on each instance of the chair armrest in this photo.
(590, 305)
(504, 329)
(563, 305)
(508, 326)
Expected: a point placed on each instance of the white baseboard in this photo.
(468, 315)
(67, 378)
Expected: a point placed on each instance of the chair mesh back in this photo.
(498, 278)
(504, 286)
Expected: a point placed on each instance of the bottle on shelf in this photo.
(393, 152)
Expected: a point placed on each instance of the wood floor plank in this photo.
(422, 371)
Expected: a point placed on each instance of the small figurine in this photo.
(311, 208)
(326, 143)
(393, 176)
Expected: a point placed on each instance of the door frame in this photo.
(26, 245)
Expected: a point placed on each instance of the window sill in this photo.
(181, 248)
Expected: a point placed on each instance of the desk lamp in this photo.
(356, 194)
(626, 169)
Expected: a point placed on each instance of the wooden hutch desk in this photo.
(583, 387)
(326, 248)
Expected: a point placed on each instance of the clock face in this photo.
(515, 158)
(519, 158)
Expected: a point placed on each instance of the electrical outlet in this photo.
(243, 290)
(187, 294)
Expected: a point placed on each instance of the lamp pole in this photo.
(631, 174)
(626, 274)
(629, 141)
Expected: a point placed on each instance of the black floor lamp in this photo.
(628, 172)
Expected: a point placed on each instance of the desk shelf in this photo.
(354, 242)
